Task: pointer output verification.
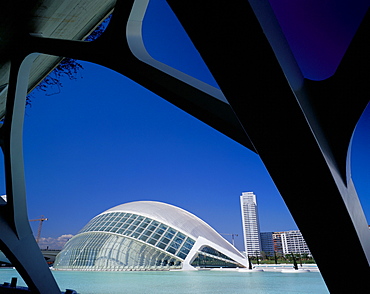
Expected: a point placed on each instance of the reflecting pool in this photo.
(186, 282)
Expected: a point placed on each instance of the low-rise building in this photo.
(285, 242)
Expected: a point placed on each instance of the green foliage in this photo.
(67, 68)
(52, 84)
(270, 259)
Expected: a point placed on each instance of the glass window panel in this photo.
(135, 235)
(159, 231)
(171, 250)
(163, 227)
(127, 232)
(112, 222)
(94, 226)
(156, 236)
(139, 230)
(185, 250)
(98, 218)
(120, 231)
(144, 225)
(143, 237)
(114, 230)
(152, 241)
(147, 233)
(125, 226)
(118, 225)
(102, 226)
(165, 240)
(177, 241)
(161, 245)
(188, 244)
(132, 227)
(121, 222)
(175, 245)
(129, 221)
(170, 233)
(191, 241)
(180, 236)
(152, 226)
(136, 222)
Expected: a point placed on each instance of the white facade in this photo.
(251, 230)
(293, 242)
(147, 235)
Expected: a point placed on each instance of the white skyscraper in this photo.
(251, 230)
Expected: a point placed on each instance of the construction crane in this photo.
(41, 220)
(232, 237)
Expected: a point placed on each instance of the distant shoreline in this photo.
(278, 267)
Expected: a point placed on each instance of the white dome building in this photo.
(147, 235)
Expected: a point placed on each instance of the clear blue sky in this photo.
(104, 141)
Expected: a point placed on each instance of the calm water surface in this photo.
(183, 282)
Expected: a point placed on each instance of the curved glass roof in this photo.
(145, 235)
(177, 218)
(142, 228)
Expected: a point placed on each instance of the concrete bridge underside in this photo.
(300, 128)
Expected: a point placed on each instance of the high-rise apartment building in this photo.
(251, 230)
(267, 243)
(285, 242)
(293, 242)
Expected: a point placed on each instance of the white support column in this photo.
(16, 238)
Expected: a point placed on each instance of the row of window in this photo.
(144, 229)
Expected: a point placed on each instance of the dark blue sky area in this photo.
(104, 140)
(319, 31)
